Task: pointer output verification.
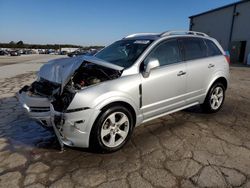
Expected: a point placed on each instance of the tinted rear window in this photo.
(212, 49)
(194, 48)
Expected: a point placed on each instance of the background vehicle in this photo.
(28, 52)
(97, 101)
(63, 53)
(77, 52)
(89, 52)
(15, 53)
(3, 52)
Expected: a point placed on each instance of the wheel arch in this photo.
(206, 106)
(107, 106)
(220, 79)
(121, 103)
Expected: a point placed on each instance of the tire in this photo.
(106, 132)
(214, 99)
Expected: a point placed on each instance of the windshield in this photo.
(124, 52)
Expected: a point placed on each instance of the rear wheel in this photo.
(214, 99)
(112, 129)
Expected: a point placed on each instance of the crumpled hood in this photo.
(60, 70)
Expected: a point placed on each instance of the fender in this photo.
(219, 74)
(120, 97)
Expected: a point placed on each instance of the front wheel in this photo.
(214, 99)
(112, 129)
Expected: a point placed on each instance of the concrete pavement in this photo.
(15, 65)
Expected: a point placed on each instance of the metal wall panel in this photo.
(216, 24)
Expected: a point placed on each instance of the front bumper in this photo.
(37, 107)
(73, 129)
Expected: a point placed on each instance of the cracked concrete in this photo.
(184, 149)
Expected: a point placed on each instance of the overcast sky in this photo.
(94, 22)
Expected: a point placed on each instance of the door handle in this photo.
(181, 73)
(210, 65)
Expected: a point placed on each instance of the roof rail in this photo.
(140, 34)
(183, 33)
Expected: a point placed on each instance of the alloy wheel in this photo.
(216, 98)
(115, 129)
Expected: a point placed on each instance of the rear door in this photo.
(194, 50)
(165, 87)
(200, 67)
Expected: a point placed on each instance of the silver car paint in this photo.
(163, 92)
(27, 102)
(100, 96)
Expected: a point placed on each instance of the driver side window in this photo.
(167, 52)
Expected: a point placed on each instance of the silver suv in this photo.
(96, 101)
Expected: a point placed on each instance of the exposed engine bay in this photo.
(90, 74)
(86, 75)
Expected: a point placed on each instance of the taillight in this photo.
(227, 58)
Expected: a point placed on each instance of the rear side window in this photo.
(212, 49)
(194, 48)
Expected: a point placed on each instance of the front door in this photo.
(165, 88)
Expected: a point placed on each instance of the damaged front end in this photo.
(87, 75)
(36, 99)
(59, 81)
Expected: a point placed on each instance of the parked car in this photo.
(26, 52)
(92, 52)
(50, 51)
(3, 52)
(77, 53)
(63, 53)
(96, 101)
(41, 51)
(15, 53)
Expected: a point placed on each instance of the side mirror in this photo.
(151, 63)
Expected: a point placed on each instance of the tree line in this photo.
(21, 44)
